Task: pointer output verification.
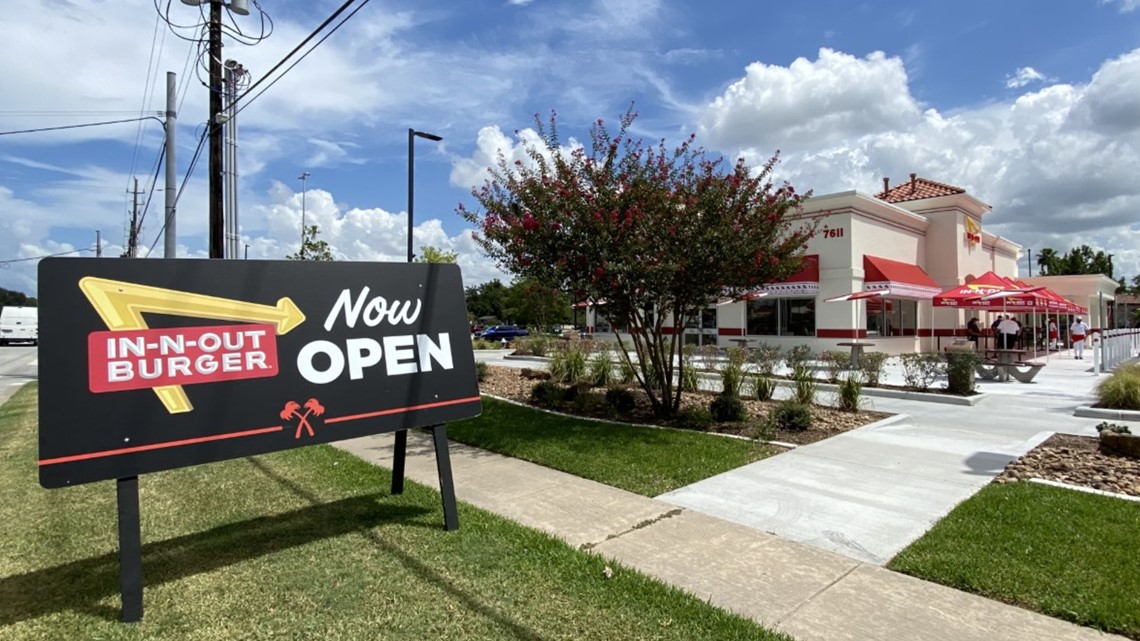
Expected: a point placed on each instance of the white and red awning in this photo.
(805, 282)
(858, 296)
(901, 280)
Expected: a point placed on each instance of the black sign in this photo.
(150, 365)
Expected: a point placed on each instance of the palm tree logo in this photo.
(292, 410)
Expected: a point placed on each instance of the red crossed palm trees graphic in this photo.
(292, 409)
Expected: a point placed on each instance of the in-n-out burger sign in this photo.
(400, 353)
(185, 356)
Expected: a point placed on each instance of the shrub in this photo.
(871, 365)
(798, 357)
(732, 372)
(1112, 428)
(792, 416)
(921, 370)
(547, 394)
(533, 346)
(689, 378)
(568, 365)
(479, 343)
(834, 362)
(601, 367)
(804, 391)
(765, 357)
(960, 372)
(480, 371)
(1121, 390)
(627, 373)
(620, 399)
(695, 418)
(585, 401)
(765, 387)
(850, 394)
(728, 408)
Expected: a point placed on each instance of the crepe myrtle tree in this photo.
(639, 228)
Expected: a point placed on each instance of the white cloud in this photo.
(520, 3)
(1023, 76)
(1058, 165)
(1126, 6)
(810, 103)
(490, 143)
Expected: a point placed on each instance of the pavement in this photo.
(795, 542)
(18, 366)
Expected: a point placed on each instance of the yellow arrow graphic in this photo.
(121, 306)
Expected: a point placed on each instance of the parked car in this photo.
(499, 332)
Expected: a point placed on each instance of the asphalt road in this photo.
(19, 364)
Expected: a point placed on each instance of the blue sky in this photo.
(1032, 106)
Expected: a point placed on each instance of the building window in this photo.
(892, 317)
(781, 317)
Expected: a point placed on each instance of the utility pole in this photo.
(169, 247)
(133, 237)
(1031, 262)
(98, 244)
(217, 221)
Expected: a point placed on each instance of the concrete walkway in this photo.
(806, 592)
(871, 492)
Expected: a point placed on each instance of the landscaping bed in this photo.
(1075, 460)
(510, 383)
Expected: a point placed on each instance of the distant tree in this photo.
(533, 304)
(487, 299)
(10, 297)
(1079, 260)
(642, 227)
(312, 247)
(429, 254)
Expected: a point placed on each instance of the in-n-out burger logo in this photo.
(973, 232)
(140, 359)
(325, 361)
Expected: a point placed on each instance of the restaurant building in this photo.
(910, 241)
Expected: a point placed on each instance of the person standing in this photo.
(1053, 335)
(1077, 331)
(1008, 328)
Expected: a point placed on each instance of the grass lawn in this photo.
(644, 460)
(306, 544)
(1064, 553)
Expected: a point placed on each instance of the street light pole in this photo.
(412, 134)
(303, 177)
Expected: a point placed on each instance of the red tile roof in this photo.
(916, 189)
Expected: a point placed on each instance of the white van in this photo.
(19, 324)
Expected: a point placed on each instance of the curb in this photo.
(1088, 411)
(653, 427)
(1086, 490)
(881, 392)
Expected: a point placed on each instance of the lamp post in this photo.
(412, 134)
(303, 177)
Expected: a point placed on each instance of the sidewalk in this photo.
(808, 593)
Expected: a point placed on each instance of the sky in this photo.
(1032, 106)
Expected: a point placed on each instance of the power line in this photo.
(86, 124)
(153, 183)
(312, 35)
(23, 260)
(185, 180)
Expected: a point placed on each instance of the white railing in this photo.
(1114, 347)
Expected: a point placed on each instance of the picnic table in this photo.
(1001, 364)
(856, 351)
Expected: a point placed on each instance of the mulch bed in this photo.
(510, 383)
(1076, 460)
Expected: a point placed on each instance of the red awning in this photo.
(805, 282)
(902, 279)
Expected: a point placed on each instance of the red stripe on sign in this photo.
(159, 446)
(400, 410)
